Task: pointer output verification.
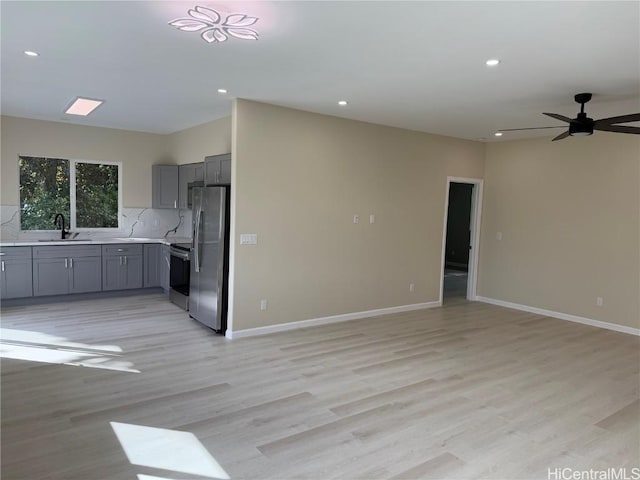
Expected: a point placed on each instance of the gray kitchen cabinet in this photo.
(217, 170)
(152, 265)
(189, 174)
(50, 276)
(165, 268)
(122, 267)
(85, 274)
(165, 186)
(59, 270)
(16, 276)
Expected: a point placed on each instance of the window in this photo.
(85, 192)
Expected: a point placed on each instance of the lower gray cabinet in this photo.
(152, 265)
(58, 270)
(122, 267)
(165, 268)
(16, 277)
(85, 274)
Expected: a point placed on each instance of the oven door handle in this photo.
(196, 242)
(179, 254)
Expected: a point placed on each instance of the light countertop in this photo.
(95, 241)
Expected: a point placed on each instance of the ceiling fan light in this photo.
(580, 134)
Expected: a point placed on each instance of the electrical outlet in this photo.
(263, 304)
(599, 301)
(372, 218)
(356, 218)
(412, 287)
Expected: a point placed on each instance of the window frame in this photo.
(72, 194)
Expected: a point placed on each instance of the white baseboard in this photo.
(313, 322)
(561, 316)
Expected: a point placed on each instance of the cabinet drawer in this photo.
(121, 249)
(75, 251)
(17, 253)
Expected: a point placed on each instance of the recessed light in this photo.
(498, 134)
(342, 103)
(492, 62)
(83, 106)
(31, 53)
(222, 90)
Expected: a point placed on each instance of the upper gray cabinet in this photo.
(15, 272)
(190, 174)
(165, 186)
(217, 170)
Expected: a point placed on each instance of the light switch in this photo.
(356, 218)
(248, 239)
(372, 218)
(499, 236)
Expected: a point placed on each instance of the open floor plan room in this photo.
(132, 387)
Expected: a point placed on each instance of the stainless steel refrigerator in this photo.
(209, 257)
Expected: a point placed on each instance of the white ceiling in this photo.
(415, 65)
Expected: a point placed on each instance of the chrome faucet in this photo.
(59, 223)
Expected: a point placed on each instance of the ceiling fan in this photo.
(583, 125)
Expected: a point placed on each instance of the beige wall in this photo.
(569, 214)
(137, 151)
(300, 177)
(193, 144)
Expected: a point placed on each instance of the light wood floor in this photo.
(465, 391)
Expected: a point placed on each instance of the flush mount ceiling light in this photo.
(342, 103)
(83, 106)
(222, 90)
(31, 53)
(498, 134)
(492, 62)
(215, 29)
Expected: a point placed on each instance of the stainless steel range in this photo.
(179, 276)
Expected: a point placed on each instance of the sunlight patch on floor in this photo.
(42, 347)
(167, 450)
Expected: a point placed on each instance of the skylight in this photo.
(83, 106)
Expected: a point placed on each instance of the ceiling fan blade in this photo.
(632, 117)
(531, 128)
(559, 117)
(561, 136)
(617, 129)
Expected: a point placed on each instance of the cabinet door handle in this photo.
(120, 250)
(125, 259)
(175, 204)
(66, 263)
(120, 259)
(71, 262)
(3, 265)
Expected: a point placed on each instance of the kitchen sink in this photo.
(65, 240)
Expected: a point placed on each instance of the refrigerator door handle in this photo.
(196, 241)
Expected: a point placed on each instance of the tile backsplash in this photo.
(136, 222)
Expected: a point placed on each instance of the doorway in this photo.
(460, 239)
